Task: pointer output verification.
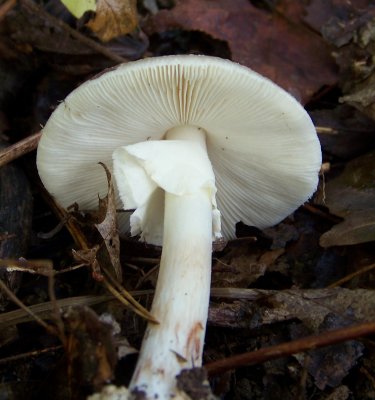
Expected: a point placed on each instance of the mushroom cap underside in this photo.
(262, 144)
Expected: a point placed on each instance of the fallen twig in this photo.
(19, 149)
(7, 360)
(293, 347)
(349, 277)
(19, 303)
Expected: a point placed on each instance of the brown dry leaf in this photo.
(90, 348)
(281, 234)
(329, 365)
(352, 196)
(104, 220)
(241, 266)
(193, 384)
(340, 393)
(114, 18)
(107, 227)
(28, 29)
(237, 314)
(354, 189)
(349, 134)
(319, 12)
(355, 56)
(364, 97)
(310, 306)
(88, 257)
(357, 228)
(288, 54)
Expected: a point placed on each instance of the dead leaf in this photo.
(90, 347)
(108, 226)
(330, 365)
(237, 314)
(105, 221)
(363, 98)
(319, 12)
(282, 234)
(242, 266)
(354, 189)
(352, 196)
(340, 393)
(309, 306)
(88, 257)
(357, 228)
(286, 53)
(114, 18)
(124, 348)
(355, 57)
(351, 135)
(193, 383)
(28, 27)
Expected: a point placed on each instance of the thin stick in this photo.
(56, 314)
(126, 298)
(34, 353)
(287, 349)
(326, 130)
(43, 310)
(349, 277)
(19, 149)
(19, 303)
(322, 214)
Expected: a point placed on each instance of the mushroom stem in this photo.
(182, 292)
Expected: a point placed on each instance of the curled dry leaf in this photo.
(107, 227)
(104, 220)
(114, 18)
(88, 257)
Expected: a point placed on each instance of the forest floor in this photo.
(303, 289)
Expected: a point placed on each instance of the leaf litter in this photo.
(268, 288)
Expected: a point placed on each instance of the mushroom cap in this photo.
(261, 142)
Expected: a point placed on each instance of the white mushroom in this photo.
(189, 135)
